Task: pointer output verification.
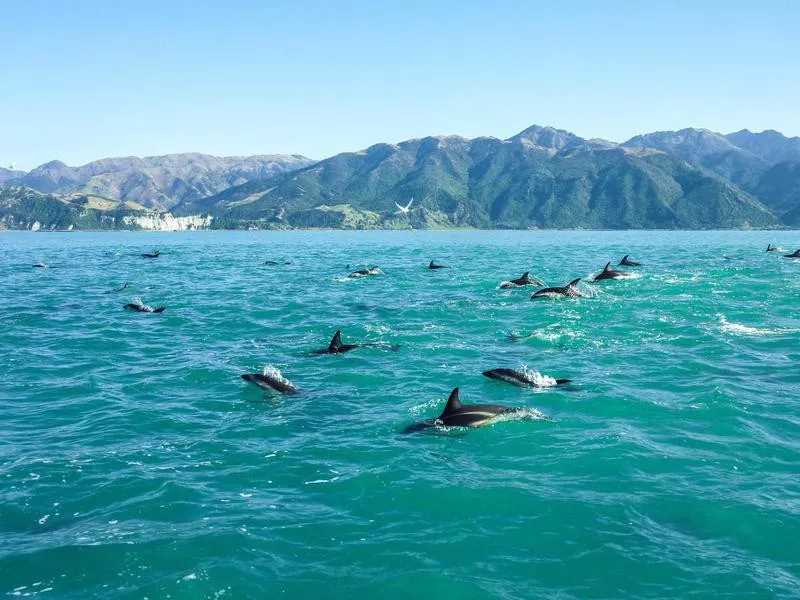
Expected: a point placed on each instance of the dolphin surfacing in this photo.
(516, 378)
(119, 289)
(609, 273)
(456, 414)
(795, 254)
(524, 279)
(336, 346)
(155, 254)
(373, 270)
(270, 383)
(433, 265)
(139, 306)
(568, 291)
(627, 262)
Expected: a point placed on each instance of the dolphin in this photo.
(568, 291)
(40, 266)
(155, 254)
(270, 262)
(525, 279)
(771, 248)
(795, 254)
(629, 263)
(374, 270)
(139, 307)
(336, 346)
(268, 382)
(435, 266)
(119, 289)
(517, 378)
(609, 273)
(456, 414)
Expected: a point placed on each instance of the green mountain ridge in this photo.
(540, 178)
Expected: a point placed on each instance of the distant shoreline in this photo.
(322, 230)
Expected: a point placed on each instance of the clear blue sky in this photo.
(84, 80)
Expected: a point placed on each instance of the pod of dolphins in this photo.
(455, 414)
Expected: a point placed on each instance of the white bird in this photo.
(404, 209)
(13, 165)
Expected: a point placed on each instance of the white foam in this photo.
(553, 333)
(739, 329)
(275, 373)
(538, 379)
(315, 481)
(523, 414)
(137, 300)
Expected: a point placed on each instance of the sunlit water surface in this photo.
(134, 461)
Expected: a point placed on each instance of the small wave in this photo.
(316, 481)
(425, 407)
(739, 329)
(553, 333)
(523, 414)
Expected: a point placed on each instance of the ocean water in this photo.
(135, 463)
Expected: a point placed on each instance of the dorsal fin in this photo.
(574, 282)
(624, 258)
(607, 267)
(336, 342)
(769, 247)
(430, 266)
(453, 403)
(525, 276)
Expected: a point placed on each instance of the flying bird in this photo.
(404, 209)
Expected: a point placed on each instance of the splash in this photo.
(137, 300)
(538, 379)
(275, 373)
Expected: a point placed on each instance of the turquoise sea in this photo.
(135, 463)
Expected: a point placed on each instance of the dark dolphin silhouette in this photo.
(456, 414)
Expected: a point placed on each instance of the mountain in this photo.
(772, 146)
(25, 208)
(7, 176)
(158, 182)
(539, 178)
(713, 151)
(779, 190)
(763, 164)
